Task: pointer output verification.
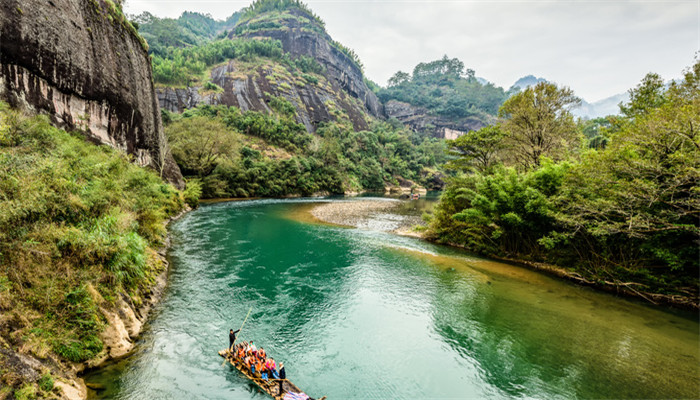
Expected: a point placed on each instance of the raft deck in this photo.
(271, 386)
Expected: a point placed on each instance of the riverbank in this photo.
(361, 213)
(127, 318)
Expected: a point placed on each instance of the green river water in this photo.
(366, 314)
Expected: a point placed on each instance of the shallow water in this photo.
(364, 314)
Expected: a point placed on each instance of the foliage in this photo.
(46, 382)
(193, 192)
(445, 88)
(189, 66)
(182, 66)
(338, 159)
(649, 94)
(199, 142)
(259, 7)
(626, 212)
(75, 220)
(477, 150)
(190, 29)
(538, 123)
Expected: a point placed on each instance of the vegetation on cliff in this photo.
(79, 226)
(622, 210)
(267, 151)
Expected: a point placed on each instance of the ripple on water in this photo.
(364, 314)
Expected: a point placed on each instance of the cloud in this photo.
(598, 48)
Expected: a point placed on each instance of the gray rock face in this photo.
(419, 120)
(76, 61)
(251, 90)
(298, 40)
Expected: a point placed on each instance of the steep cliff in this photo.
(83, 64)
(251, 85)
(420, 120)
(302, 34)
(337, 87)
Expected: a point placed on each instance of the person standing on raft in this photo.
(282, 376)
(232, 339)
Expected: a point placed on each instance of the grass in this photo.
(79, 225)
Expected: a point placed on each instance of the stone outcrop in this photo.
(299, 40)
(250, 90)
(80, 62)
(340, 90)
(418, 119)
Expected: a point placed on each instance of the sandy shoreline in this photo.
(368, 214)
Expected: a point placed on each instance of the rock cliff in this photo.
(250, 86)
(81, 62)
(340, 87)
(418, 119)
(302, 35)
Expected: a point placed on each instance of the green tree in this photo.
(477, 150)
(198, 143)
(398, 78)
(648, 95)
(538, 123)
(643, 192)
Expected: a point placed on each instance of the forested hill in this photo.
(190, 29)
(442, 97)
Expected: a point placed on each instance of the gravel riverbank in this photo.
(374, 214)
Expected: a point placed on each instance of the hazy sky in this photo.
(598, 48)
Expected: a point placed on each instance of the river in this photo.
(367, 314)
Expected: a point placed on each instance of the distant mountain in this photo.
(527, 81)
(601, 108)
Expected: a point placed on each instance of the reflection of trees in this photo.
(538, 344)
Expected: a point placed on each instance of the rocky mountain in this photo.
(83, 64)
(338, 87)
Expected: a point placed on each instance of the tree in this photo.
(649, 94)
(644, 187)
(538, 123)
(198, 143)
(399, 78)
(477, 150)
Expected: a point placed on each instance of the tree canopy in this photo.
(626, 213)
(538, 123)
(445, 88)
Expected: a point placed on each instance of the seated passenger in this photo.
(261, 353)
(259, 367)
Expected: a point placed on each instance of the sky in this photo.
(598, 48)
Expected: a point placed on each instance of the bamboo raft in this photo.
(270, 386)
